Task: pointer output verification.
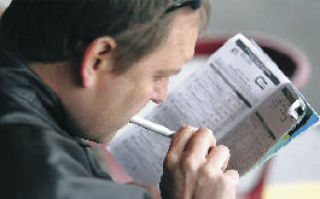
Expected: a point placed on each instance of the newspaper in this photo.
(240, 94)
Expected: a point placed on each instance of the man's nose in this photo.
(160, 93)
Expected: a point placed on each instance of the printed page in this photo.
(231, 95)
(141, 153)
(251, 139)
(233, 83)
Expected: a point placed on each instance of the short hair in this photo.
(57, 30)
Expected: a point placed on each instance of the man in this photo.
(80, 69)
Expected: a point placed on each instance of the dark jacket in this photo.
(39, 157)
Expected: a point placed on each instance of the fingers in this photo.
(233, 176)
(197, 167)
(195, 144)
(200, 144)
(179, 142)
(218, 158)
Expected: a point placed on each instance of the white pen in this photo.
(157, 128)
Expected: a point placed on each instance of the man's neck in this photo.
(57, 76)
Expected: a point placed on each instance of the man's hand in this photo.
(196, 168)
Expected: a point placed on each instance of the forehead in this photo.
(184, 32)
(178, 48)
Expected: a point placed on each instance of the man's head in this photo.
(123, 51)
(55, 30)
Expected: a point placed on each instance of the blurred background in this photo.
(295, 21)
(296, 168)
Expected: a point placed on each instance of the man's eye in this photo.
(158, 78)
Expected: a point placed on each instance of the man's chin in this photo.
(107, 137)
(110, 135)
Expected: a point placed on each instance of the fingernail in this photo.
(189, 127)
(186, 127)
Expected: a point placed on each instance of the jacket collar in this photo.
(26, 89)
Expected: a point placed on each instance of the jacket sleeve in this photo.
(38, 163)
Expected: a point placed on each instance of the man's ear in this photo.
(97, 58)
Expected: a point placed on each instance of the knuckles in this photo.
(223, 150)
(225, 181)
(190, 164)
(215, 176)
(208, 134)
(210, 172)
(171, 161)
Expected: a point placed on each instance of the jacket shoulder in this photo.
(40, 163)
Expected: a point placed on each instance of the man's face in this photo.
(119, 97)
